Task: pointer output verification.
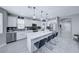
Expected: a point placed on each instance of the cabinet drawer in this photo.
(21, 35)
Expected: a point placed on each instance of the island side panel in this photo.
(29, 45)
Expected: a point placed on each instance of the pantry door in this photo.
(66, 29)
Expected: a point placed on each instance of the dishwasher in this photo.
(10, 37)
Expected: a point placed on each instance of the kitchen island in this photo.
(35, 37)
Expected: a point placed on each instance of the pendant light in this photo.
(34, 16)
(46, 15)
(41, 15)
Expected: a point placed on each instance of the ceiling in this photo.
(52, 11)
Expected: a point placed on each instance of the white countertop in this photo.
(34, 35)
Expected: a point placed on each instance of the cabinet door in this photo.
(12, 21)
(21, 35)
(13, 37)
(9, 37)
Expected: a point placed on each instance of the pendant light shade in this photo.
(34, 16)
(46, 15)
(41, 15)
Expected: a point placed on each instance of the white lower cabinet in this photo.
(21, 35)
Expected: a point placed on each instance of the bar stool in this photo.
(37, 44)
(47, 44)
(42, 42)
(53, 41)
(49, 38)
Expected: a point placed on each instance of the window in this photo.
(20, 24)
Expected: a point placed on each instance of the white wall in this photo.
(3, 35)
(75, 23)
(66, 26)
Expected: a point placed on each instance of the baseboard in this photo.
(2, 45)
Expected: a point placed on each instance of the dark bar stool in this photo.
(41, 43)
(46, 41)
(48, 44)
(37, 44)
(49, 38)
(53, 41)
(56, 33)
(52, 36)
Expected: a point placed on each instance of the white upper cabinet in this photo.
(20, 23)
(12, 21)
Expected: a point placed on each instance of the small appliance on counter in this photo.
(34, 28)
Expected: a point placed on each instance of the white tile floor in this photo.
(64, 44)
(15, 47)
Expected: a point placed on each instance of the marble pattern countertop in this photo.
(34, 35)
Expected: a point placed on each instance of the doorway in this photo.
(66, 28)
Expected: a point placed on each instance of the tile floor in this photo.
(15, 47)
(64, 44)
(60, 44)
